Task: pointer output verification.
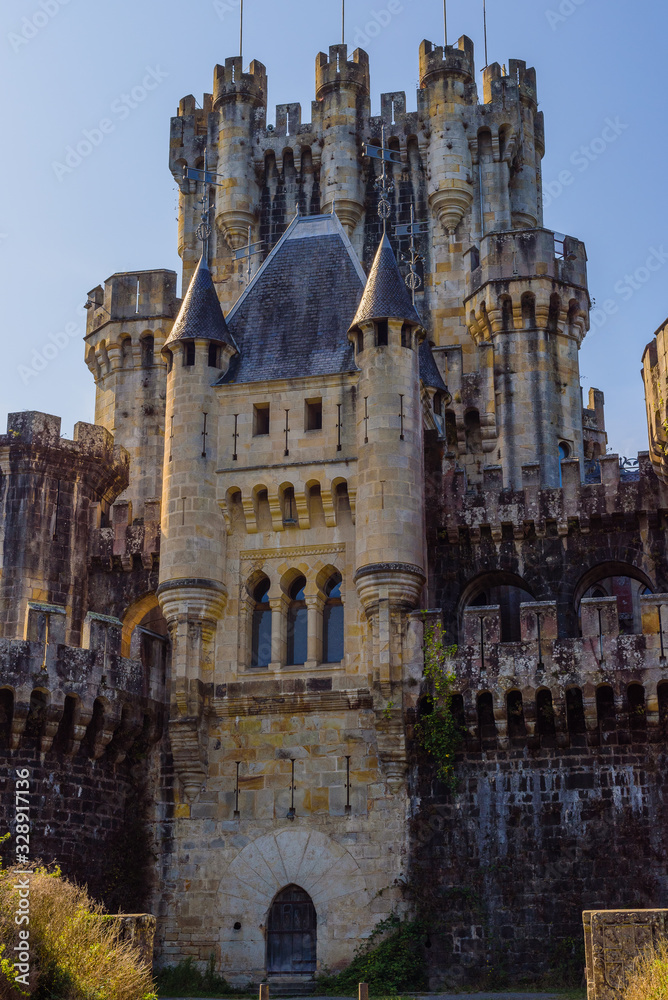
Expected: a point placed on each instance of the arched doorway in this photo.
(291, 933)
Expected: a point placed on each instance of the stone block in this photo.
(593, 623)
(614, 939)
(529, 621)
(491, 617)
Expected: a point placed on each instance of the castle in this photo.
(212, 600)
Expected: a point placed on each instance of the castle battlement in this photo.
(132, 295)
(538, 510)
(597, 689)
(124, 541)
(335, 71)
(74, 698)
(230, 83)
(457, 61)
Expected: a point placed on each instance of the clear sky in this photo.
(67, 64)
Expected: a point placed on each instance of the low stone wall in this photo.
(613, 941)
(138, 929)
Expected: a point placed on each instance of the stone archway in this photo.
(309, 859)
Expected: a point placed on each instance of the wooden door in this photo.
(291, 935)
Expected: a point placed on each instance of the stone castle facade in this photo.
(212, 600)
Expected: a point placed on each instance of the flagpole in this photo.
(445, 21)
(343, 22)
(484, 17)
(241, 30)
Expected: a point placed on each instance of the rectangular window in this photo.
(406, 335)
(214, 356)
(189, 355)
(313, 419)
(260, 419)
(381, 333)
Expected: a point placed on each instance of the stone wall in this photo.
(531, 839)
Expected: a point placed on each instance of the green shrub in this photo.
(74, 954)
(390, 961)
(186, 980)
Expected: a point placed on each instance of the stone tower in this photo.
(389, 544)
(127, 323)
(192, 592)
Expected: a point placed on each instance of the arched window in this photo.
(528, 311)
(506, 591)
(545, 717)
(486, 721)
(605, 710)
(297, 623)
(332, 622)
(564, 453)
(575, 716)
(147, 349)
(517, 729)
(261, 641)
(126, 352)
(507, 314)
(637, 711)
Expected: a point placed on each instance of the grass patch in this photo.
(186, 980)
(650, 979)
(390, 961)
(74, 954)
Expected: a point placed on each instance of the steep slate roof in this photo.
(386, 295)
(292, 319)
(200, 316)
(429, 373)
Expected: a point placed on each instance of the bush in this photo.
(74, 953)
(650, 979)
(393, 965)
(186, 980)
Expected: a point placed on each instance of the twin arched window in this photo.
(329, 625)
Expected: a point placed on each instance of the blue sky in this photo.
(67, 65)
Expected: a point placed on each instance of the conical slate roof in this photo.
(385, 295)
(200, 316)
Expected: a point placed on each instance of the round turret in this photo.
(241, 101)
(387, 332)
(448, 77)
(343, 87)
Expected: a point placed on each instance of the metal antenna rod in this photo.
(484, 18)
(343, 22)
(445, 21)
(241, 30)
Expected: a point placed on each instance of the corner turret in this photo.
(127, 323)
(192, 593)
